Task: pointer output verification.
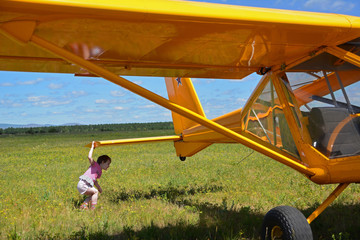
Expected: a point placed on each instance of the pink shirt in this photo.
(94, 171)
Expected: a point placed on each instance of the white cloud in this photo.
(35, 98)
(199, 81)
(113, 101)
(50, 103)
(118, 108)
(102, 101)
(330, 5)
(117, 93)
(9, 103)
(44, 101)
(138, 82)
(148, 106)
(167, 114)
(31, 82)
(78, 93)
(55, 86)
(90, 110)
(6, 84)
(218, 106)
(241, 101)
(342, 5)
(16, 105)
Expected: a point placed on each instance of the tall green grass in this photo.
(150, 194)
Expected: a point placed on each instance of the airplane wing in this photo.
(167, 38)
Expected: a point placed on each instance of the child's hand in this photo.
(93, 144)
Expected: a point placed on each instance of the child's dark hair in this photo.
(103, 158)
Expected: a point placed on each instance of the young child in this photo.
(89, 179)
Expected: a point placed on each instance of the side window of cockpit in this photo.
(266, 120)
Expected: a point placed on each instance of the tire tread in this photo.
(292, 222)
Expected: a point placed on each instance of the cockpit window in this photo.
(266, 120)
(329, 102)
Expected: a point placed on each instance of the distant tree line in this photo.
(91, 128)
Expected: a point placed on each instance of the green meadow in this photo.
(148, 193)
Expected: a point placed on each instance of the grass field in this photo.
(150, 194)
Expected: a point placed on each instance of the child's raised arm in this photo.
(91, 160)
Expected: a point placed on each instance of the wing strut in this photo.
(136, 141)
(102, 72)
(344, 55)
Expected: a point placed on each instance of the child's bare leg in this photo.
(87, 200)
(93, 193)
(85, 204)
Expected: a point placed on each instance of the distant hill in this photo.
(11, 129)
(33, 125)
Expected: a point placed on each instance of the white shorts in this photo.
(83, 186)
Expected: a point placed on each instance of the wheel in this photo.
(287, 223)
(182, 158)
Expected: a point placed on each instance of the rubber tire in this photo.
(291, 221)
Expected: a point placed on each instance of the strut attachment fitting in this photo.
(20, 31)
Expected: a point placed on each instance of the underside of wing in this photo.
(167, 38)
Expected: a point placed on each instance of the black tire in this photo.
(285, 222)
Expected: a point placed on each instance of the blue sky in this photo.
(44, 98)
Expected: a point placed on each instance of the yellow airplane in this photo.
(294, 115)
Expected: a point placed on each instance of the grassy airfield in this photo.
(148, 193)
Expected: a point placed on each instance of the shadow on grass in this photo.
(336, 222)
(76, 202)
(216, 222)
(169, 193)
(224, 222)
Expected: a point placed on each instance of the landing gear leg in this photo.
(328, 201)
(286, 222)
